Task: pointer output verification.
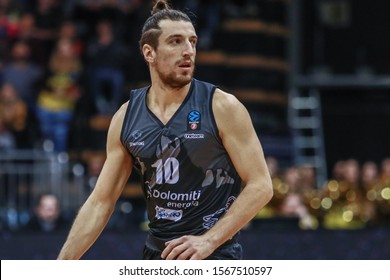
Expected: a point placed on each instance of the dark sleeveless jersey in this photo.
(188, 178)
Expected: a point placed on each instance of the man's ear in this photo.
(149, 53)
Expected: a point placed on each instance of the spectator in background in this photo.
(292, 197)
(7, 140)
(68, 30)
(370, 175)
(26, 33)
(309, 192)
(106, 56)
(47, 215)
(338, 170)
(370, 181)
(22, 74)
(291, 179)
(293, 207)
(307, 178)
(56, 102)
(9, 18)
(48, 17)
(343, 201)
(13, 112)
(292, 187)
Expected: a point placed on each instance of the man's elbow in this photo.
(267, 190)
(269, 193)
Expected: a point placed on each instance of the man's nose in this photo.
(189, 49)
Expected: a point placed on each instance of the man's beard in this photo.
(176, 81)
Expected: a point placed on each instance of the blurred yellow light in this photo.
(333, 185)
(283, 188)
(385, 193)
(315, 203)
(347, 216)
(326, 203)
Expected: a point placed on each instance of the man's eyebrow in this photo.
(180, 36)
(174, 36)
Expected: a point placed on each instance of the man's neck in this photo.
(164, 101)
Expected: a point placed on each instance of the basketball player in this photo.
(195, 148)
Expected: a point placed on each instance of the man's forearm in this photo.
(246, 206)
(86, 228)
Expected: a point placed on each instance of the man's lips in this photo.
(185, 65)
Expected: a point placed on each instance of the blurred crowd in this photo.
(356, 196)
(62, 61)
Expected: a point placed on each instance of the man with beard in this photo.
(201, 163)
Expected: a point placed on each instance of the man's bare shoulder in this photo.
(119, 116)
(114, 131)
(117, 120)
(224, 102)
(229, 113)
(122, 110)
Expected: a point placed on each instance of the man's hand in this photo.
(188, 247)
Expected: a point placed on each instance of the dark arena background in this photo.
(314, 76)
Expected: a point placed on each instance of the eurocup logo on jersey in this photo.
(193, 120)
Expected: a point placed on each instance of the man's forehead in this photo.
(169, 28)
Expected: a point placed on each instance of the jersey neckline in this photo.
(160, 123)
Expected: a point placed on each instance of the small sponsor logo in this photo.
(168, 214)
(136, 134)
(193, 120)
(140, 143)
(194, 135)
(193, 195)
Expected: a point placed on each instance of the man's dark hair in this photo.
(151, 30)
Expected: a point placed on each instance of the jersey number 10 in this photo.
(167, 172)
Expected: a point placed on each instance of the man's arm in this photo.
(244, 148)
(96, 211)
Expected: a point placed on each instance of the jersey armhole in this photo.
(212, 117)
(125, 120)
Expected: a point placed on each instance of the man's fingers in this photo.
(172, 252)
(185, 255)
(169, 246)
(182, 248)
